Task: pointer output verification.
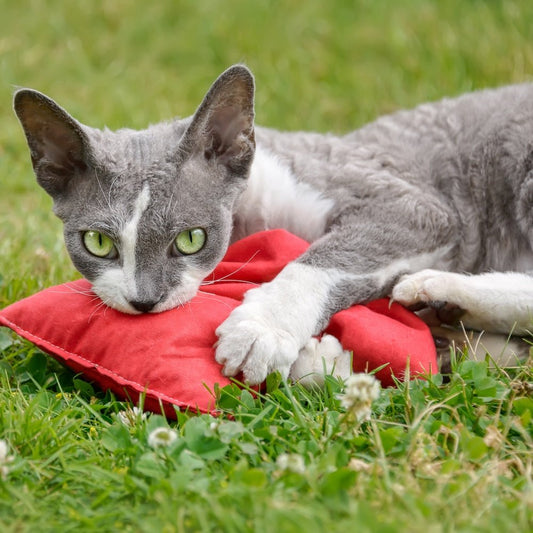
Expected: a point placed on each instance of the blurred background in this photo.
(319, 65)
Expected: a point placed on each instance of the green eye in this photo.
(190, 241)
(99, 244)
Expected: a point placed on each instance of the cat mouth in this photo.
(137, 306)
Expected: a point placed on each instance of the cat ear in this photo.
(59, 148)
(223, 125)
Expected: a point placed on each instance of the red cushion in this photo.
(170, 357)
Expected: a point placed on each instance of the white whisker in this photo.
(73, 288)
(212, 297)
(207, 283)
(232, 273)
(97, 308)
(107, 197)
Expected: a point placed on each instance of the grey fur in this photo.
(454, 173)
(449, 183)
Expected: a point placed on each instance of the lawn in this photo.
(434, 456)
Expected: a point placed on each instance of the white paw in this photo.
(319, 358)
(249, 341)
(265, 333)
(424, 286)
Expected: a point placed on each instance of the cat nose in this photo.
(144, 306)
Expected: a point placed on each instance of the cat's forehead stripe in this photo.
(142, 201)
(130, 236)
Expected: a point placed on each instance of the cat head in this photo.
(147, 214)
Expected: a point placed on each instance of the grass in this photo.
(435, 456)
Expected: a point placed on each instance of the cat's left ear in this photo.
(223, 125)
(58, 145)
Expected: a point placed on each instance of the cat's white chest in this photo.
(274, 199)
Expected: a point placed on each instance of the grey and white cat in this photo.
(404, 206)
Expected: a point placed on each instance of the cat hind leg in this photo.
(503, 350)
(319, 358)
(496, 302)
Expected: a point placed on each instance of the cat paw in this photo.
(321, 357)
(255, 346)
(427, 286)
(434, 294)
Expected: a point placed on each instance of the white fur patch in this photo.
(190, 282)
(108, 287)
(129, 239)
(499, 302)
(116, 286)
(267, 331)
(275, 199)
(320, 357)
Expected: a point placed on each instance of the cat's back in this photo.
(411, 143)
(457, 120)
(470, 153)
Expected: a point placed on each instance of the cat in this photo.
(429, 206)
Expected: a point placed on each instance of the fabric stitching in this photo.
(97, 366)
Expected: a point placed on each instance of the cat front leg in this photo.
(358, 260)
(266, 332)
(275, 321)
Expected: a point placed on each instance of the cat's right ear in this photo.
(223, 126)
(59, 148)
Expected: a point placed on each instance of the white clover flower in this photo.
(359, 465)
(3, 450)
(359, 393)
(4, 459)
(493, 437)
(161, 437)
(131, 416)
(291, 462)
